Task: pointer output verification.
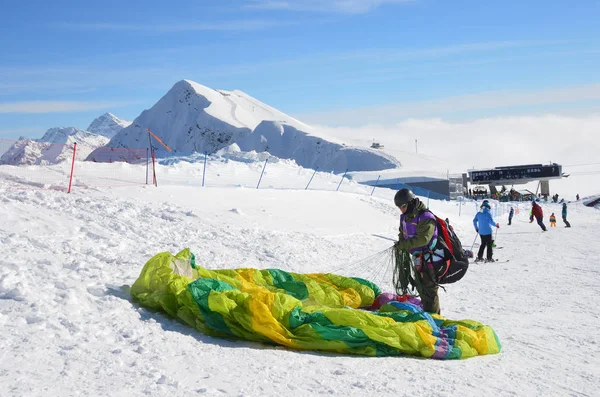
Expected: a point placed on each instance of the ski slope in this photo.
(68, 325)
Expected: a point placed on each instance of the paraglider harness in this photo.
(450, 266)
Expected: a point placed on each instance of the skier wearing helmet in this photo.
(483, 223)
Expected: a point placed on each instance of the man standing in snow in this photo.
(510, 215)
(418, 234)
(564, 215)
(483, 223)
(537, 212)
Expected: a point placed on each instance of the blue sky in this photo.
(64, 63)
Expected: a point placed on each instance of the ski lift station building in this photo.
(517, 175)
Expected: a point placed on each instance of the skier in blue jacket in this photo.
(483, 223)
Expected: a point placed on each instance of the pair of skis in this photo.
(493, 261)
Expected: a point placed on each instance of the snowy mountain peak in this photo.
(108, 125)
(191, 118)
(64, 135)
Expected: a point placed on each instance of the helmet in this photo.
(403, 196)
(486, 204)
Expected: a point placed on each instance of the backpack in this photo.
(456, 260)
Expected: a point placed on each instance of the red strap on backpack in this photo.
(445, 233)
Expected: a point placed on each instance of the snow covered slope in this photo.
(309, 151)
(68, 326)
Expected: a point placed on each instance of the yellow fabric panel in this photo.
(264, 322)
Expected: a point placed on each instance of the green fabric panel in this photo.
(401, 336)
(368, 284)
(356, 339)
(402, 316)
(309, 339)
(286, 282)
(283, 308)
(201, 290)
(455, 354)
(296, 318)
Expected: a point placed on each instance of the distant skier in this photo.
(552, 220)
(537, 212)
(564, 215)
(577, 196)
(483, 223)
(510, 215)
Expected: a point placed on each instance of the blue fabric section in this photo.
(409, 307)
(445, 335)
(484, 221)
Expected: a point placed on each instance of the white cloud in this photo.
(481, 143)
(392, 113)
(58, 106)
(337, 6)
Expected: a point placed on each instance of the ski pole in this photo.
(494, 240)
(473, 245)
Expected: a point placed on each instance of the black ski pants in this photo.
(540, 221)
(566, 221)
(486, 241)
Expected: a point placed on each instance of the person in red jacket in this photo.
(538, 214)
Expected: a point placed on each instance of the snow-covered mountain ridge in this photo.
(310, 151)
(193, 118)
(54, 147)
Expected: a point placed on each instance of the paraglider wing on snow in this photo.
(302, 311)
